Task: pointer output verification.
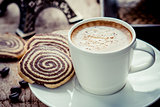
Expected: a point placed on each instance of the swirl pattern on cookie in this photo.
(11, 46)
(46, 65)
(55, 40)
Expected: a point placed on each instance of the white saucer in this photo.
(142, 89)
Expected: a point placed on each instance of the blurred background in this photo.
(51, 19)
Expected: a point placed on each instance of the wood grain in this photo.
(26, 98)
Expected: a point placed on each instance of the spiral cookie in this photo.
(46, 65)
(11, 46)
(56, 40)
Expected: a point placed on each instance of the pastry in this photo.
(56, 40)
(46, 65)
(11, 46)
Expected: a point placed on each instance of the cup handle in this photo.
(147, 64)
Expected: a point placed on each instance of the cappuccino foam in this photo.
(101, 36)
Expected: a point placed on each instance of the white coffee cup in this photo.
(105, 73)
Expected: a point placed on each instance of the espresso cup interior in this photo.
(111, 24)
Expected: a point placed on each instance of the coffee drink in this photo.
(101, 50)
(101, 36)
